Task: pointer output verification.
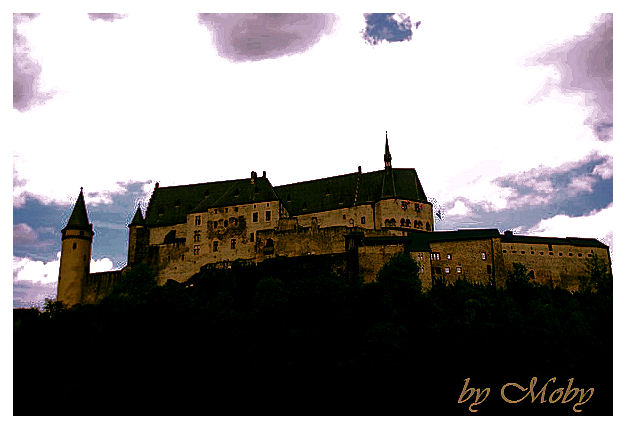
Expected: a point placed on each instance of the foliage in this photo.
(294, 338)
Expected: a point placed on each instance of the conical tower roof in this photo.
(79, 219)
(138, 218)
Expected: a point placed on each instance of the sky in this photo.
(507, 116)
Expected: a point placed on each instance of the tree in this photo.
(598, 276)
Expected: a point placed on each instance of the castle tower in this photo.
(76, 240)
(137, 239)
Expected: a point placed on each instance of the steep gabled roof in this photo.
(170, 205)
(79, 219)
(138, 218)
(348, 190)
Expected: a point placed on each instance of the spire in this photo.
(387, 153)
(78, 218)
(389, 185)
(138, 218)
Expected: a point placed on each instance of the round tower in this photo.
(76, 239)
(137, 239)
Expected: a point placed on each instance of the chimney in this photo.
(359, 169)
(508, 234)
(252, 176)
(264, 173)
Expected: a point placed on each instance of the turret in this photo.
(137, 239)
(76, 239)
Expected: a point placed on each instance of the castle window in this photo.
(483, 256)
(531, 274)
(233, 242)
(198, 220)
(449, 256)
(447, 270)
(427, 226)
(488, 269)
(560, 254)
(435, 256)
(252, 237)
(255, 217)
(459, 270)
(580, 254)
(344, 217)
(74, 246)
(363, 220)
(215, 211)
(196, 236)
(438, 270)
(225, 223)
(268, 215)
(571, 254)
(215, 224)
(215, 246)
(196, 250)
(401, 222)
(236, 209)
(523, 251)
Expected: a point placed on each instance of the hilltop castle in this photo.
(362, 218)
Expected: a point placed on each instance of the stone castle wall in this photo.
(99, 285)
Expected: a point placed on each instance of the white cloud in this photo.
(44, 273)
(604, 170)
(580, 184)
(598, 224)
(132, 89)
(459, 209)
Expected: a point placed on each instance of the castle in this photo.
(362, 218)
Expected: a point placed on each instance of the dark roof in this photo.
(138, 218)
(170, 205)
(79, 219)
(348, 190)
(420, 240)
(508, 237)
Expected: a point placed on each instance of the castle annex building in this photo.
(362, 218)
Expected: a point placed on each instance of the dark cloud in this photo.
(106, 16)
(259, 36)
(26, 71)
(387, 26)
(573, 190)
(586, 66)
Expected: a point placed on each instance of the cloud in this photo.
(543, 185)
(597, 224)
(110, 17)
(34, 281)
(23, 235)
(260, 36)
(392, 27)
(585, 65)
(26, 71)
(459, 209)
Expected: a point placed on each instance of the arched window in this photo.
(401, 222)
(386, 222)
(407, 223)
(269, 243)
(427, 226)
(392, 222)
(414, 224)
(419, 224)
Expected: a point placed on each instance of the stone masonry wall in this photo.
(559, 265)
